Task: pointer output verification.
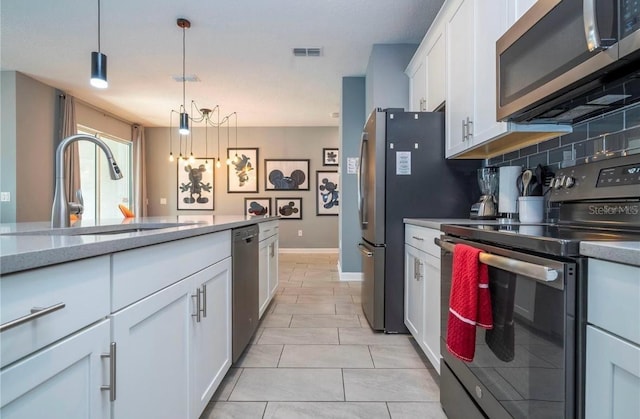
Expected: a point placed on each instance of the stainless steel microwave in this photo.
(556, 62)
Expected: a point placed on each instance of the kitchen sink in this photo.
(99, 230)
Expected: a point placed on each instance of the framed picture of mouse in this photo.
(257, 206)
(330, 157)
(195, 185)
(286, 175)
(289, 208)
(327, 193)
(242, 173)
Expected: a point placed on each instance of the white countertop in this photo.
(622, 252)
(21, 252)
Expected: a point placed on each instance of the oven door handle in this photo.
(539, 272)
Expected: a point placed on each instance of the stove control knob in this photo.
(568, 182)
(557, 182)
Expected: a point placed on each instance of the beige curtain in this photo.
(72, 154)
(139, 171)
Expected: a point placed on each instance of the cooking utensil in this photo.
(526, 180)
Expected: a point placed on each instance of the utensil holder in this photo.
(531, 209)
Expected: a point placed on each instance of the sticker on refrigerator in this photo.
(403, 163)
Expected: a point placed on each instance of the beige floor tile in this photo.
(349, 308)
(234, 410)
(263, 356)
(355, 284)
(356, 299)
(226, 386)
(397, 356)
(308, 291)
(389, 385)
(289, 283)
(326, 410)
(324, 299)
(256, 335)
(347, 291)
(301, 336)
(326, 283)
(275, 320)
(363, 321)
(413, 410)
(365, 336)
(325, 356)
(325, 320)
(305, 309)
(289, 384)
(287, 299)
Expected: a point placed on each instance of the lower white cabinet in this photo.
(174, 347)
(63, 380)
(268, 264)
(612, 389)
(422, 290)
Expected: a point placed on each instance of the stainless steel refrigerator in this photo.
(403, 174)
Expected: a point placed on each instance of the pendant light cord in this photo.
(184, 80)
(99, 50)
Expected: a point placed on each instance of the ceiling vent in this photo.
(188, 78)
(307, 52)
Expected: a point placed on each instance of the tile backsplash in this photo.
(606, 135)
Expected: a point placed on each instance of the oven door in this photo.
(524, 366)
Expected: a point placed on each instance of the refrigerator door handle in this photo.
(364, 250)
(362, 209)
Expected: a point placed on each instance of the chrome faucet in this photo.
(61, 206)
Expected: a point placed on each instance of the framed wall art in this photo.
(330, 157)
(195, 185)
(257, 206)
(289, 208)
(242, 173)
(327, 193)
(286, 175)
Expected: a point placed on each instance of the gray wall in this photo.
(353, 119)
(28, 138)
(273, 143)
(387, 84)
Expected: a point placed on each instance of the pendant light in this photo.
(184, 116)
(99, 63)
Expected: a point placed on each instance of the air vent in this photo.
(307, 52)
(188, 78)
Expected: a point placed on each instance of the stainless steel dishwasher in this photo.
(245, 288)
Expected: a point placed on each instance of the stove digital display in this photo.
(619, 176)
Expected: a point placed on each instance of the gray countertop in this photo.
(622, 252)
(436, 223)
(33, 250)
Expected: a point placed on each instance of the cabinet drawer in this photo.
(268, 229)
(140, 272)
(83, 286)
(422, 238)
(614, 298)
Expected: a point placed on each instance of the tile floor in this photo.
(314, 356)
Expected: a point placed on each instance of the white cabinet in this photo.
(174, 346)
(516, 8)
(211, 336)
(268, 264)
(422, 290)
(63, 380)
(436, 69)
(418, 86)
(613, 341)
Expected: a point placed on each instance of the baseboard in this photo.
(349, 276)
(309, 250)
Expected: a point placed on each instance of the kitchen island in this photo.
(126, 320)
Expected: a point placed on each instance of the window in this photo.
(102, 194)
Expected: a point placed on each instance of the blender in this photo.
(486, 208)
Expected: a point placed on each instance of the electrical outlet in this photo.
(163, 201)
(299, 233)
(5, 196)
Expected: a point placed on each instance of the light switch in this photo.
(5, 196)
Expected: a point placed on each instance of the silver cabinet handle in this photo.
(419, 270)
(469, 128)
(364, 250)
(464, 130)
(272, 249)
(415, 268)
(36, 312)
(204, 300)
(198, 309)
(417, 238)
(112, 372)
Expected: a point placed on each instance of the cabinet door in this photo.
(515, 9)
(436, 72)
(152, 337)
(413, 292)
(613, 376)
(431, 338)
(263, 276)
(273, 266)
(418, 87)
(459, 40)
(211, 336)
(490, 22)
(61, 381)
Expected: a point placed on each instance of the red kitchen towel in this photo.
(469, 302)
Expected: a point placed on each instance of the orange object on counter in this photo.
(126, 211)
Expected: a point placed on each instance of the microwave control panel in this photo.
(629, 17)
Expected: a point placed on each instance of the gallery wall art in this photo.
(327, 193)
(289, 208)
(286, 175)
(257, 206)
(243, 170)
(195, 185)
(330, 157)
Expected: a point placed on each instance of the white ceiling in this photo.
(241, 50)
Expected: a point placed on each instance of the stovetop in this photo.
(555, 239)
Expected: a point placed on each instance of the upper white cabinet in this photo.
(418, 85)
(436, 77)
(516, 8)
